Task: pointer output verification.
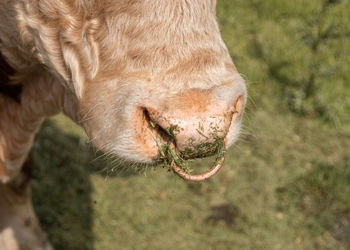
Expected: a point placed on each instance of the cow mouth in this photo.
(169, 155)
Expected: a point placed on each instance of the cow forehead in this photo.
(177, 35)
(166, 16)
(157, 6)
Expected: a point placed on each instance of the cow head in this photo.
(142, 68)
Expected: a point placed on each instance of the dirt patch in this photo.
(226, 213)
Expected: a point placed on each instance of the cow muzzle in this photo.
(195, 124)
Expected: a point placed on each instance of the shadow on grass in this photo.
(61, 187)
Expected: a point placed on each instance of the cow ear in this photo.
(76, 78)
(81, 56)
(91, 46)
(62, 38)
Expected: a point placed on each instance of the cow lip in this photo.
(155, 130)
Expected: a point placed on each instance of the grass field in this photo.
(285, 185)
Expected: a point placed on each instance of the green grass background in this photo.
(285, 184)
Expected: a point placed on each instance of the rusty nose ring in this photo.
(203, 176)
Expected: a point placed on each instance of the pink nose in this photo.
(198, 119)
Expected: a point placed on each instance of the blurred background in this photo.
(285, 185)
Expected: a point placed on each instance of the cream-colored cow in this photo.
(125, 70)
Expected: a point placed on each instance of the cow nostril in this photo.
(148, 115)
(145, 115)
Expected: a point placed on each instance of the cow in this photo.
(136, 75)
